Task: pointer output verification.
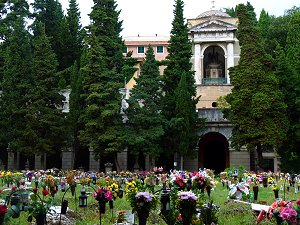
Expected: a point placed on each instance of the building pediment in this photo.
(213, 25)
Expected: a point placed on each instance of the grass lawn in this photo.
(229, 213)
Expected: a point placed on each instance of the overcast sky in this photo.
(150, 17)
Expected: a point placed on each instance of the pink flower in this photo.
(289, 214)
(298, 202)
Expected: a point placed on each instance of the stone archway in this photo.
(213, 152)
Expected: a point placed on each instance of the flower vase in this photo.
(36, 184)
(1, 220)
(255, 191)
(102, 207)
(143, 216)
(276, 193)
(278, 218)
(208, 189)
(40, 219)
(186, 219)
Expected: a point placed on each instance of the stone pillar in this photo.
(197, 64)
(147, 163)
(230, 59)
(122, 160)
(67, 159)
(94, 164)
(40, 162)
(10, 160)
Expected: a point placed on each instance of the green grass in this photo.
(230, 213)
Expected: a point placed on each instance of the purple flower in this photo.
(187, 195)
(144, 196)
(289, 214)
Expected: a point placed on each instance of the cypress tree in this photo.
(257, 110)
(289, 86)
(46, 119)
(74, 34)
(263, 25)
(15, 86)
(144, 120)
(178, 63)
(102, 81)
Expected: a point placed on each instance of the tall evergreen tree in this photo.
(178, 63)
(263, 25)
(102, 81)
(105, 17)
(45, 122)
(289, 71)
(257, 111)
(51, 14)
(74, 42)
(289, 84)
(15, 86)
(144, 119)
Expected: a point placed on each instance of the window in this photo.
(125, 49)
(160, 49)
(141, 49)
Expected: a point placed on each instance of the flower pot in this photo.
(40, 219)
(143, 216)
(255, 192)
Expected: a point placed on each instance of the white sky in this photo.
(150, 17)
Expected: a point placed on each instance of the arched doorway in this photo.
(214, 152)
(214, 65)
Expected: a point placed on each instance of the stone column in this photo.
(67, 159)
(122, 160)
(230, 59)
(39, 162)
(197, 64)
(94, 164)
(10, 160)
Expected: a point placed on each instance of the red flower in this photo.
(3, 210)
(45, 192)
(0, 191)
(179, 217)
(35, 190)
(13, 188)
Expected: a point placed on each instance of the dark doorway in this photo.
(53, 160)
(214, 152)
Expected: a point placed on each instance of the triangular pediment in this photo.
(213, 25)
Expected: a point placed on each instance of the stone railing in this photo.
(211, 115)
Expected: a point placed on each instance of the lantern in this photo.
(165, 201)
(83, 198)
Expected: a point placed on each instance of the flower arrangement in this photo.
(103, 195)
(70, 178)
(142, 203)
(121, 216)
(275, 188)
(114, 188)
(289, 214)
(179, 182)
(239, 191)
(186, 205)
(199, 181)
(39, 207)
